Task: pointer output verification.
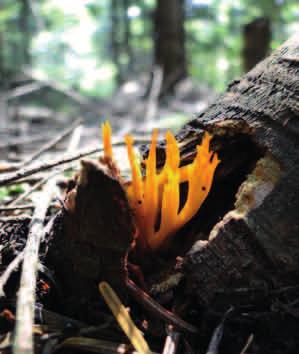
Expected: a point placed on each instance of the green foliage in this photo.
(11, 191)
(70, 41)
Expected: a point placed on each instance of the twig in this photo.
(11, 268)
(23, 340)
(24, 90)
(21, 207)
(57, 86)
(14, 219)
(36, 186)
(51, 143)
(159, 311)
(22, 141)
(12, 177)
(171, 342)
(247, 344)
(16, 207)
(217, 334)
(95, 346)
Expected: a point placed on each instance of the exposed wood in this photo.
(96, 236)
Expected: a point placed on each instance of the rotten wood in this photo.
(255, 243)
(96, 235)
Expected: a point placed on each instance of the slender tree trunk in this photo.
(169, 40)
(127, 34)
(25, 28)
(257, 38)
(114, 33)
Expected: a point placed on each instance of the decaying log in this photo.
(256, 244)
(247, 230)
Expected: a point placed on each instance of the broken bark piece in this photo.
(96, 235)
(250, 220)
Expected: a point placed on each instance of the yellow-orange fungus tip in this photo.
(106, 136)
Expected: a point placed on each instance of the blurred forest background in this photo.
(72, 57)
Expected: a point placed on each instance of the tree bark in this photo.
(256, 244)
(95, 235)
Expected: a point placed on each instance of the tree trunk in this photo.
(127, 34)
(25, 28)
(169, 41)
(114, 33)
(257, 38)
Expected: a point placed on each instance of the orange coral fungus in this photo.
(156, 196)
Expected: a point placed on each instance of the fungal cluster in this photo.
(155, 196)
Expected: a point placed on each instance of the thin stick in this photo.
(248, 343)
(28, 171)
(11, 268)
(17, 207)
(14, 219)
(22, 141)
(217, 334)
(23, 340)
(21, 207)
(36, 186)
(51, 143)
(171, 342)
(24, 90)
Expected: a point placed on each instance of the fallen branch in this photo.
(22, 141)
(16, 207)
(51, 143)
(13, 266)
(14, 219)
(171, 342)
(248, 344)
(218, 334)
(25, 90)
(12, 177)
(23, 341)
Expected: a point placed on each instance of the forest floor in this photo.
(40, 149)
